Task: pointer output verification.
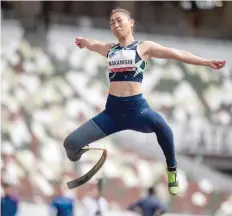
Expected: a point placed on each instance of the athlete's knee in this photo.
(72, 142)
(72, 146)
(164, 127)
(66, 142)
(82, 136)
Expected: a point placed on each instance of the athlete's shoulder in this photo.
(146, 43)
(143, 49)
(110, 45)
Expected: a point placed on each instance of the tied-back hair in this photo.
(122, 11)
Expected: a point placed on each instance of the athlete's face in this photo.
(121, 25)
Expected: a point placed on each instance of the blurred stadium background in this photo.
(50, 87)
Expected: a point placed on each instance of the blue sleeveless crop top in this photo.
(125, 64)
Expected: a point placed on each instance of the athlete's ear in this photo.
(132, 22)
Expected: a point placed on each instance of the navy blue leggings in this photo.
(125, 113)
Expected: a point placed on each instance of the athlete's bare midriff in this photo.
(125, 89)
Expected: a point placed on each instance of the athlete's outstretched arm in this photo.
(157, 51)
(94, 45)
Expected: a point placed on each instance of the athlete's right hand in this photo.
(80, 42)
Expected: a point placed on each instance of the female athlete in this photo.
(126, 108)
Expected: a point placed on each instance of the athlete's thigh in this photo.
(146, 122)
(106, 123)
(83, 135)
(96, 128)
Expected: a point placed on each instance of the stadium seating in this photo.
(46, 94)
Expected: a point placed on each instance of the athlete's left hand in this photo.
(216, 64)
